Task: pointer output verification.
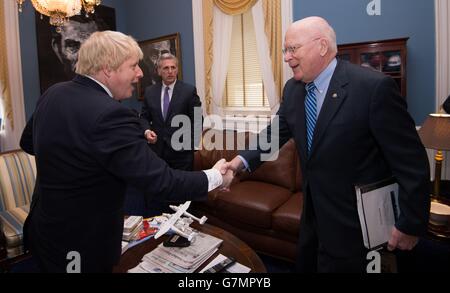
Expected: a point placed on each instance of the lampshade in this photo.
(60, 10)
(435, 132)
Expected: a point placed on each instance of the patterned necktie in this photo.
(166, 102)
(311, 113)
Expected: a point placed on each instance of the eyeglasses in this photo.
(291, 50)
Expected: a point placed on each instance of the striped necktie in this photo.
(311, 113)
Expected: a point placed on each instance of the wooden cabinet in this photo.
(387, 56)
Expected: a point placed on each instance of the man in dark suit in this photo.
(88, 147)
(164, 102)
(351, 126)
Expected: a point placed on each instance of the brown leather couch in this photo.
(264, 207)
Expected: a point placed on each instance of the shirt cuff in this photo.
(214, 178)
(244, 161)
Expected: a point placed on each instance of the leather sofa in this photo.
(264, 207)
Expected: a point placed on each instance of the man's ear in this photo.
(107, 72)
(324, 47)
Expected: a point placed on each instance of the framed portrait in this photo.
(152, 49)
(58, 52)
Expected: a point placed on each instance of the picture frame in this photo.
(153, 49)
(58, 52)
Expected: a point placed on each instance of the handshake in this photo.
(228, 170)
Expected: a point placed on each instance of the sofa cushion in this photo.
(287, 217)
(251, 202)
(12, 222)
(280, 172)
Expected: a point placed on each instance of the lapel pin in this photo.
(334, 96)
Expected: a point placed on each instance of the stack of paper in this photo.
(179, 259)
(131, 227)
(141, 230)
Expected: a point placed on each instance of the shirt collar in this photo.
(171, 86)
(102, 85)
(323, 80)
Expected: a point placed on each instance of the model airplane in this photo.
(177, 224)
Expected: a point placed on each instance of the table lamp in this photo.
(435, 134)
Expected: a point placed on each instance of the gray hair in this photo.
(330, 35)
(166, 56)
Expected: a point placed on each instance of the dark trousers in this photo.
(312, 257)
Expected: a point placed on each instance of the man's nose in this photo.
(287, 57)
(139, 73)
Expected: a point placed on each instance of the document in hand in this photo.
(378, 210)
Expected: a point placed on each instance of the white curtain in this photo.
(442, 14)
(223, 35)
(264, 57)
(9, 138)
(223, 28)
(442, 8)
(286, 21)
(199, 52)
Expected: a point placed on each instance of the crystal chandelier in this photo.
(60, 10)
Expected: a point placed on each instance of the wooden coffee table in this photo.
(231, 246)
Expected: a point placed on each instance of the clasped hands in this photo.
(228, 171)
(150, 136)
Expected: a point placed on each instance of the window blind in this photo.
(244, 85)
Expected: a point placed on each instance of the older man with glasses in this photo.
(351, 127)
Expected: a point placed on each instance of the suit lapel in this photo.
(334, 98)
(174, 99)
(155, 97)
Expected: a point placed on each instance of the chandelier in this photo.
(60, 10)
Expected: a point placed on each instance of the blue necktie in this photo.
(166, 102)
(311, 113)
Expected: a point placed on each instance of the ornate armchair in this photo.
(17, 180)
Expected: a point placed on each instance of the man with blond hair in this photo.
(351, 127)
(88, 147)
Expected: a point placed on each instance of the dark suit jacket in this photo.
(446, 105)
(88, 147)
(184, 100)
(363, 134)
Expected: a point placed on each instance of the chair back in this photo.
(17, 179)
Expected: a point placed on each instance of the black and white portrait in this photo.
(58, 52)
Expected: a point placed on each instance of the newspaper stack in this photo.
(179, 259)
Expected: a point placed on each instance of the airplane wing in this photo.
(167, 225)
